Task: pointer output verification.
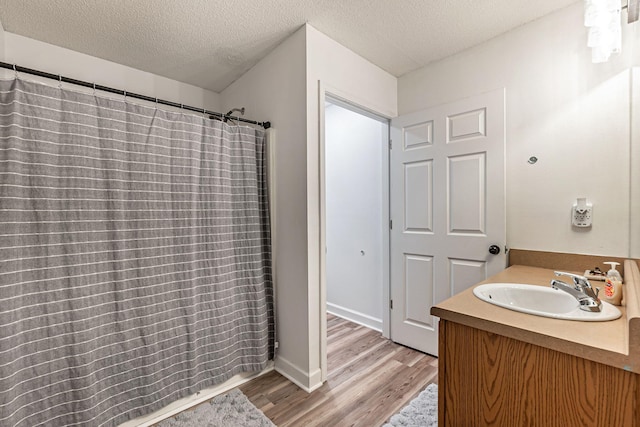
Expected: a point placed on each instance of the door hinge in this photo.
(390, 144)
(391, 304)
(391, 224)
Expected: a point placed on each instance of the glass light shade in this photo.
(605, 32)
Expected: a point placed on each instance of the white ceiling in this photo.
(210, 43)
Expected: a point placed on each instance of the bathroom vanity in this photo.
(499, 367)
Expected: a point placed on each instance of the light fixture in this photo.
(633, 10)
(605, 31)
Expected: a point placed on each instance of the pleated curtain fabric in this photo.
(134, 256)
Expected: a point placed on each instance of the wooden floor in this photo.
(369, 379)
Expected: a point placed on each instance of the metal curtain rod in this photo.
(212, 114)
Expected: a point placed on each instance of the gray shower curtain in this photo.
(134, 256)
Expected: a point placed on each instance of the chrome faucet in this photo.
(581, 290)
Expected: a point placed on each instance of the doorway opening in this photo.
(356, 215)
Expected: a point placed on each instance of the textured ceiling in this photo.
(210, 43)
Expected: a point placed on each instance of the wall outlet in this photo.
(581, 213)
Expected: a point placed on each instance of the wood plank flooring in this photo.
(369, 379)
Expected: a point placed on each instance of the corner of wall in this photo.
(307, 381)
(274, 89)
(355, 78)
(283, 88)
(344, 73)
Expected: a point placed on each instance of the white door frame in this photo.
(325, 91)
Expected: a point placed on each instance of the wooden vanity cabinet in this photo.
(486, 379)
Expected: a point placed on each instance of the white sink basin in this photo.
(541, 301)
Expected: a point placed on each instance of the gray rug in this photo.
(232, 409)
(421, 412)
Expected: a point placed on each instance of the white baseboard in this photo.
(195, 399)
(355, 316)
(306, 381)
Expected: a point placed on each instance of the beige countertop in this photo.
(616, 342)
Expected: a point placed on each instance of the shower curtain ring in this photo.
(94, 89)
(124, 93)
(59, 81)
(15, 70)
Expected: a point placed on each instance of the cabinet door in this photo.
(490, 380)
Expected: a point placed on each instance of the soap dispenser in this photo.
(613, 285)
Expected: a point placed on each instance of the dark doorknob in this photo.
(494, 249)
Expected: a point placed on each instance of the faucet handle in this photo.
(578, 280)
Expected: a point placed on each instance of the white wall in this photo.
(283, 88)
(274, 90)
(42, 56)
(354, 146)
(332, 68)
(574, 116)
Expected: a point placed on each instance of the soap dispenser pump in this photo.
(613, 285)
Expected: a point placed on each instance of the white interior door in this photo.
(447, 207)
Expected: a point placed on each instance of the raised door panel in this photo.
(419, 291)
(464, 273)
(467, 125)
(418, 135)
(418, 196)
(466, 194)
